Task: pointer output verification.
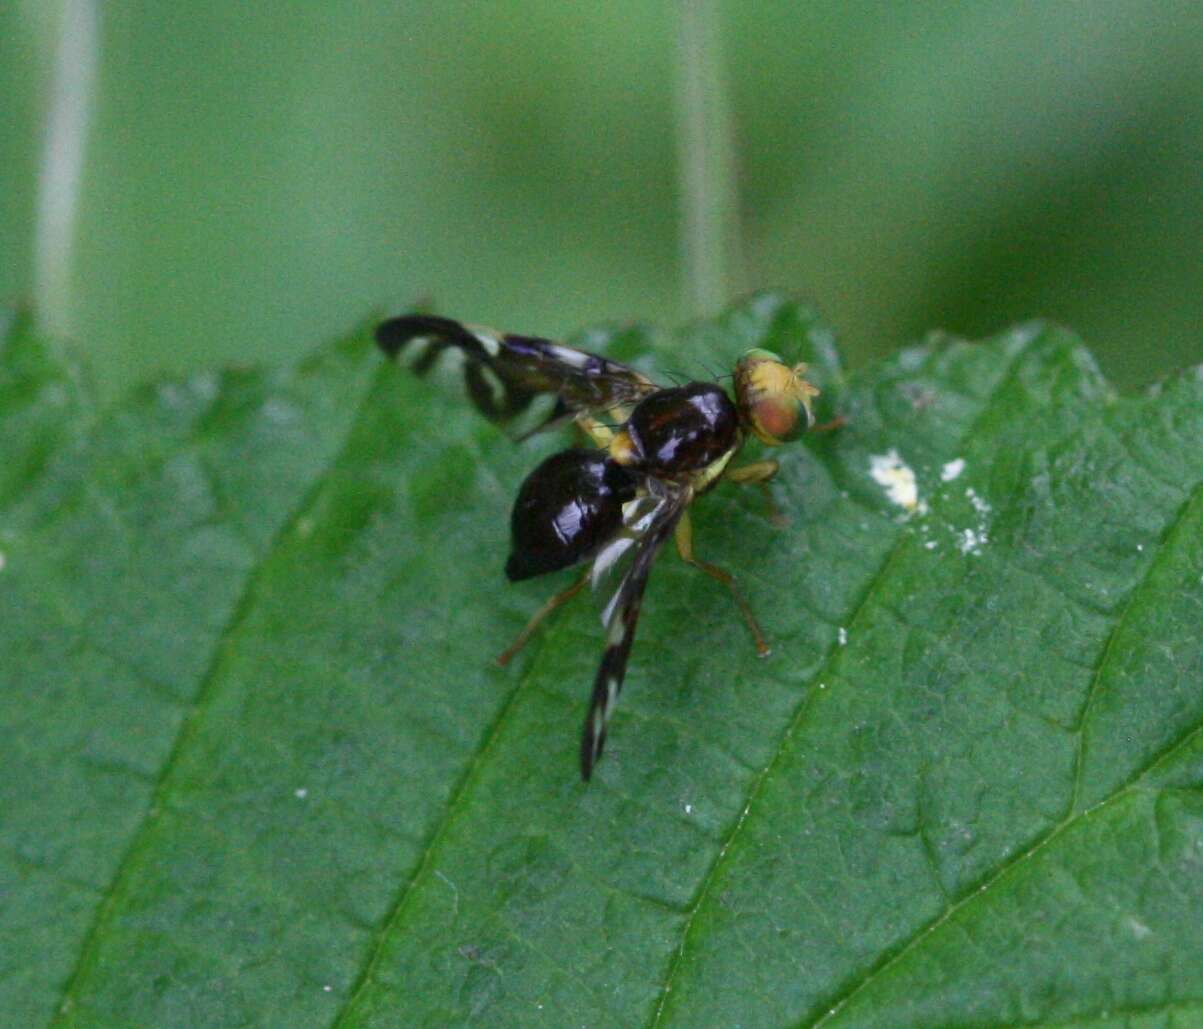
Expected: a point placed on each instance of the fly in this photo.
(653, 450)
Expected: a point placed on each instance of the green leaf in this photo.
(260, 770)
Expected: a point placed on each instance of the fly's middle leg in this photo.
(684, 539)
(758, 474)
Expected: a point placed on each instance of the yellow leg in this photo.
(684, 538)
(559, 599)
(759, 473)
(831, 426)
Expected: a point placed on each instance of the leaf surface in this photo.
(262, 771)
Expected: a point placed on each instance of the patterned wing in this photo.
(504, 373)
(650, 523)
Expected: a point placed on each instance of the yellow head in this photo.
(774, 399)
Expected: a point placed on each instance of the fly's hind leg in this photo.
(759, 473)
(558, 600)
(684, 538)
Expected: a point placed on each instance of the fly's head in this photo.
(774, 399)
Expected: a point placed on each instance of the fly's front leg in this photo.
(831, 426)
(558, 600)
(684, 538)
(759, 473)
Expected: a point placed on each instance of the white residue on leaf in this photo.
(952, 470)
(981, 506)
(897, 478)
(3, 560)
(843, 635)
(689, 809)
(300, 793)
(930, 545)
(1139, 929)
(971, 541)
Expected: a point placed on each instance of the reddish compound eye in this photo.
(774, 399)
(780, 418)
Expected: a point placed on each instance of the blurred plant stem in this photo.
(60, 178)
(709, 222)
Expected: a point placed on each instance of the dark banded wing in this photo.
(649, 524)
(504, 373)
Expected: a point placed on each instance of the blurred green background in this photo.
(258, 177)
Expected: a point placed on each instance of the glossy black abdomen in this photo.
(566, 509)
(675, 431)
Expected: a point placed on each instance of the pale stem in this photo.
(61, 173)
(706, 160)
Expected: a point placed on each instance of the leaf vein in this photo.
(190, 723)
(434, 842)
(804, 706)
(1072, 817)
(1107, 653)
